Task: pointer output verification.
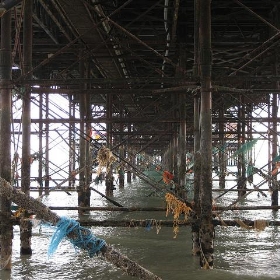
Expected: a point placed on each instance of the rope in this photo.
(80, 237)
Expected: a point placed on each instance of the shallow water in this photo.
(239, 253)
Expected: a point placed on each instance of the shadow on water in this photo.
(239, 253)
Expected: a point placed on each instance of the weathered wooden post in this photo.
(6, 227)
(206, 226)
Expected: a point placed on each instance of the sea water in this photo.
(239, 253)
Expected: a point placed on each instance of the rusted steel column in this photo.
(274, 195)
(163, 159)
(182, 146)
(134, 160)
(128, 175)
(88, 155)
(121, 169)
(129, 157)
(72, 145)
(40, 164)
(206, 227)
(83, 187)
(241, 141)
(174, 157)
(196, 182)
(47, 176)
(25, 224)
(82, 147)
(6, 227)
(170, 159)
(181, 151)
(249, 132)
(222, 158)
(134, 163)
(174, 144)
(197, 162)
(128, 168)
(109, 180)
(121, 150)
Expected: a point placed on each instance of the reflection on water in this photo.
(239, 253)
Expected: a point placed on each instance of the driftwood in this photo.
(43, 212)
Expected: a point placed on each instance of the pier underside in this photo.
(141, 88)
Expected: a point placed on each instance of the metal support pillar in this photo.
(174, 148)
(128, 172)
(182, 151)
(182, 144)
(274, 195)
(250, 153)
(83, 187)
(6, 226)
(197, 162)
(241, 172)
(172, 153)
(196, 182)
(47, 176)
(206, 226)
(109, 180)
(129, 157)
(221, 153)
(40, 164)
(121, 169)
(72, 144)
(174, 159)
(88, 154)
(121, 151)
(25, 223)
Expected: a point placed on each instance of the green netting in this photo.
(154, 174)
(276, 159)
(250, 170)
(217, 149)
(245, 147)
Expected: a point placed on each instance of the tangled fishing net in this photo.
(177, 208)
(79, 236)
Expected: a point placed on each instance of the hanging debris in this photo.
(105, 159)
(177, 208)
(167, 177)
